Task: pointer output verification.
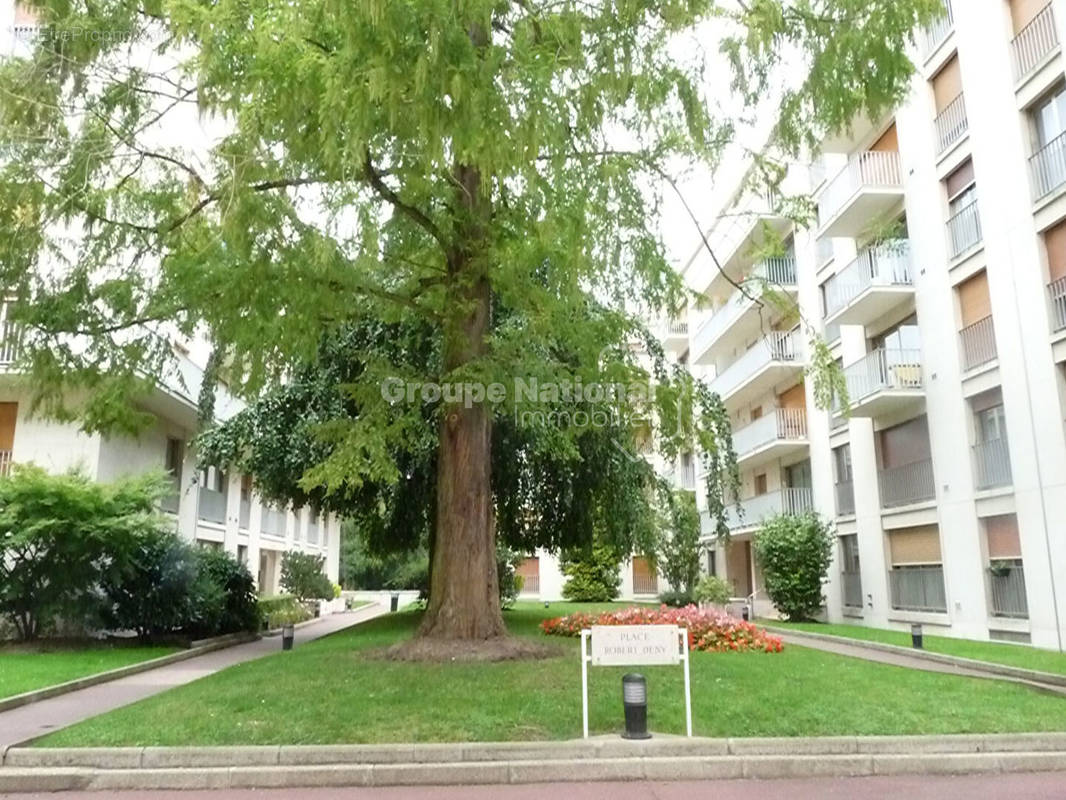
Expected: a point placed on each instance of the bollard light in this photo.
(545, 603)
(916, 636)
(745, 613)
(635, 703)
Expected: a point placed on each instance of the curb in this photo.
(198, 648)
(999, 670)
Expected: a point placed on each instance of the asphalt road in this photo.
(1041, 786)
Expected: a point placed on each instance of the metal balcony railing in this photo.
(951, 124)
(978, 343)
(887, 264)
(991, 462)
(211, 506)
(530, 584)
(756, 509)
(1047, 167)
(776, 272)
(1035, 41)
(9, 342)
(964, 230)
(273, 521)
(929, 38)
(845, 492)
(5, 462)
(851, 585)
(884, 370)
(918, 588)
(1006, 589)
(785, 424)
(869, 169)
(1056, 291)
(906, 484)
(775, 346)
(171, 501)
(677, 327)
(645, 584)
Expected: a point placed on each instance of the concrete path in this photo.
(37, 719)
(857, 650)
(1038, 786)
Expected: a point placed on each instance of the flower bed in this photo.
(709, 630)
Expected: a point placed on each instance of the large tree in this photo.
(379, 158)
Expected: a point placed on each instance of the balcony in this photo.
(991, 462)
(673, 333)
(733, 323)
(885, 381)
(777, 435)
(1006, 589)
(756, 509)
(211, 506)
(845, 492)
(851, 588)
(871, 285)
(273, 523)
(1056, 291)
(1035, 42)
(245, 513)
(869, 187)
(951, 124)
(907, 484)
(964, 230)
(930, 38)
(978, 344)
(5, 462)
(1047, 168)
(918, 588)
(770, 361)
(170, 502)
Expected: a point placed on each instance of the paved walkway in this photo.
(1040, 786)
(37, 719)
(912, 662)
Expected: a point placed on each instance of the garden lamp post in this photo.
(635, 703)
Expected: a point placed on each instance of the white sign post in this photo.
(629, 646)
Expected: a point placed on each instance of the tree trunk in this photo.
(464, 598)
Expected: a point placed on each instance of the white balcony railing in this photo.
(1056, 291)
(777, 346)
(888, 264)
(5, 462)
(845, 492)
(906, 484)
(884, 370)
(1006, 589)
(991, 461)
(9, 342)
(930, 38)
(1035, 41)
(978, 343)
(869, 169)
(777, 273)
(951, 124)
(273, 521)
(851, 583)
(918, 588)
(756, 509)
(644, 584)
(211, 506)
(1047, 167)
(785, 424)
(964, 230)
(676, 327)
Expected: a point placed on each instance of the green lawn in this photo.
(1014, 655)
(327, 692)
(23, 669)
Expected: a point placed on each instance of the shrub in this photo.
(239, 609)
(712, 589)
(708, 630)
(281, 610)
(676, 599)
(794, 551)
(510, 582)
(302, 576)
(592, 577)
(678, 556)
(61, 536)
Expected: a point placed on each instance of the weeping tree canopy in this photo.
(265, 174)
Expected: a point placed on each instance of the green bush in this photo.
(712, 589)
(238, 609)
(302, 576)
(678, 556)
(510, 582)
(677, 599)
(592, 577)
(282, 609)
(794, 551)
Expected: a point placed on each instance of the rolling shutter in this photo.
(947, 85)
(915, 545)
(1055, 244)
(1002, 535)
(974, 302)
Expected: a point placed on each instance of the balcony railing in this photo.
(776, 272)
(929, 38)
(1006, 589)
(906, 484)
(273, 523)
(872, 168)
(888, 264)
(5, 462)
(756, 509)
(685, 476)
(211, 506)
(170, 501)
(964, 230)
(530, 583)
(951, 124)
(845, 491)
(312, 531)
(245, 513)
(884, 370)
(824, 251)
(991, 462)
(645, 584)
(1056, 291)
(918, 588)
(775, 346)
(978, 342)
(1047, 167)
(9, 342)
(851, 583)
(785, 424)
(1035, 41)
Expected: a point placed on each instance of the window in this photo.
(977, 336)
(242, 554)
(175, 455)
(992, 465)
(798, 476)
(901, 337)
(760, 484)
(1049, 117)
(916, 581)
(842, 463)
(961, 186)
(1006, 576)
(850, 574)
(991, 424)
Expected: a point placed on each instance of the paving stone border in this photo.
(601, 759)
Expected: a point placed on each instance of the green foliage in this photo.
(794, 552)
(238, 609)
(282, 610)
(62, 535)
(302, 575)
(714, 590)
(509, 581)
(592, 576)
(677, 599)
(360, 568)
(678, 557)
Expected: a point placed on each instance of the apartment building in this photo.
(936, 270)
